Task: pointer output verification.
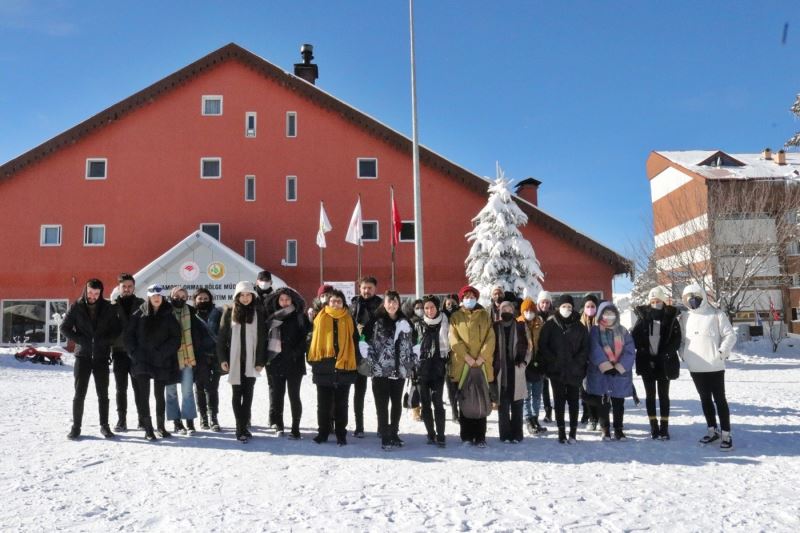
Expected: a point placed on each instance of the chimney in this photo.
(780, 157)
(307, 70)
(528, 190)
(766, 154)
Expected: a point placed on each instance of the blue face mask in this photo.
(469, 303)
(695, 301)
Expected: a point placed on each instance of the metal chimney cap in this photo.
(307, 48)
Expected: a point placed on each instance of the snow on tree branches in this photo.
(795, 140)
(500, 255)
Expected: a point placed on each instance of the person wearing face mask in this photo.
(450, 305)
(264, 286)
(564, 346)
(124, 305)
(609, 379)
(207, 372)
(657, 336)
(534, 372)
(708, 339)
(588, 319)
(511, 357)
(432, 348)
(413, 310)
(544, 307)
(472, 343)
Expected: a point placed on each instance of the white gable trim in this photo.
(667, 181)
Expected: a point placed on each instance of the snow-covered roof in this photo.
(752, 166)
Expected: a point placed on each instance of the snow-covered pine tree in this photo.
(644, 281)
(500, 255)
(795, 140)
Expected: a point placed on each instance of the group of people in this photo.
(507, 356)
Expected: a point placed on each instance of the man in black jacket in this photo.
(363, 308)
(92, 324)
(124, 305)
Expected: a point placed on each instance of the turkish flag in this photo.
(397, 223)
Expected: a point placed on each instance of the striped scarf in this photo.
(612, 340)
(274, 343)
(186, 351)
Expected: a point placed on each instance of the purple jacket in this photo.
(599, 384)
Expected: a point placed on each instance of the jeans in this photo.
(534, 398)
(86, 367)
(711, 388)
(186, 409)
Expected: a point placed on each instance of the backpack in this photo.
(474, 397)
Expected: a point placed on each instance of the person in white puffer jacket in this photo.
(708, 338)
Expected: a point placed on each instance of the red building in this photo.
(235, 143)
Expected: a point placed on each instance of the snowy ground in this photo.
(210, 482)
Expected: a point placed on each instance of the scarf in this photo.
(186, 351)
(435, 340)
(612, 341)
(250, 342)
(506, 352)
(322, 340)
(274, 345)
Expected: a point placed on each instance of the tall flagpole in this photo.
(391, 218)
(321, 267)
(418, 268)
(360, 242)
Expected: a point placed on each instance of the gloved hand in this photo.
(417, 349)
(363, 348)
(402, 327)
(611, 372)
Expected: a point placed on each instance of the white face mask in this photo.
(469, 303)
(609, 319)
(529, 315)
(264, 285)
(565, 311)
(419, 312)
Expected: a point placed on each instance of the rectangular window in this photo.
(210, 168)
(31, 321)
(291, 253)
(250, 250)
(407, 231)
(212, 105)
(211, 228)
(96, 168)
(370, 229)
(367, 168)
(291, 124)
(250, 124)
(250, 188)
(291, 188)
(94, 235)
(50, 235)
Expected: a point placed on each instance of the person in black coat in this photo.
(288, 328)
(657, 336)
(564, 348)
(124, 305)
(93, 326)
(152, 339)
(363, 308)
(432, 347)
(207, 371)
(511, 357)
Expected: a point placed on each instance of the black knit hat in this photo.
(590, 297)
(564, 299)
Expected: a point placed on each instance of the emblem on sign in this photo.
(216, 270)
(190, 271)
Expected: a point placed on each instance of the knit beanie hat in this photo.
(589, 297)
(467, 288)
(565, 299)
(544, 296)
(323, 289)
(657, 293)
(527, 305)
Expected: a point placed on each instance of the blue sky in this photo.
(576, 94)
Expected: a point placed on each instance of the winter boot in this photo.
(654, 431)
(606, 433)
(105, 431)
(74, 433)
(531, 426)
(663, 433)
(593, 424)
(161, 431)
(190, 426)
(711, 436)
(320, 439)
(294, 434)
(548, 415)
(241, 434)
(619, 435)
(573, 434)
(141, 424)
(148, 429)
(204, 421)
(397, 441)
(122, 424)
(562, 435)
(538, 428)
(215, 423)
(441, 442)
(726, 443)
(387, 444)
(179, 428)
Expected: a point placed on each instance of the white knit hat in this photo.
(694, 288)
(657, 293)
(244, 286)
(544, 296)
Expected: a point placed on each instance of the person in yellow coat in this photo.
(472, 343)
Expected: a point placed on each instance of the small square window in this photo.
(250, 250)
(50, 235)
(94, 235)
(291, 188)
(212, 229)
(250, 124)
(407, 231)
(250, 188)
(211, 168)
(367, 168)
(370, 231)
(96, 168)
(291, 124)
(212, 105)
(291, 253)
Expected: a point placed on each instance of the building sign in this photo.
(347, 287)
(216, 270)
(190, 271)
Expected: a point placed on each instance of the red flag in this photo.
(397, 223)
(775, 315)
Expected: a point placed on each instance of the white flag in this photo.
(324, 226)
(355, 231)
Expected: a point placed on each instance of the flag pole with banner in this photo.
(355, 231)
(397, 226)
(324, 227)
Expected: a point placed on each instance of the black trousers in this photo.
(711, 388)
(509, 417)
(452, 393)
(271, 400)
(358, 401)
(607, 406)
(472, 429)
(143, 401)
(388, 391)
(332, 410)
(242, 401)
(207, 394)
(123, 371)
(651, 386)
(86, 367)
(566, 394)
(432, 403)
(546, 394)
(280, 385)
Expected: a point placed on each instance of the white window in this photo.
(250, 250)
(96, 168)
(211, 228)
(212, 105)
(250, 188)
(370, 230)
(291, 253)
(291, 188)
(94, 235)
(291, 124)
(50, 235)
(250, 124)
(407, 231)
(367, 168)
(210, 168)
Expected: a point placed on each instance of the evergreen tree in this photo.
(795, 140)
(644, 281)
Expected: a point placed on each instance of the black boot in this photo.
(142, 424)
(531, 426)
(606, 433)
(573, 434)
(179, 427)
(161, 431)
(663, 433)
(538, 428)
(105, 431)
(190, 426)
(562, 435)
(548, 415)
(74, 433)
(149, 434)
(204, 421)
(122, 424)
(654, 431)
(215, 423)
